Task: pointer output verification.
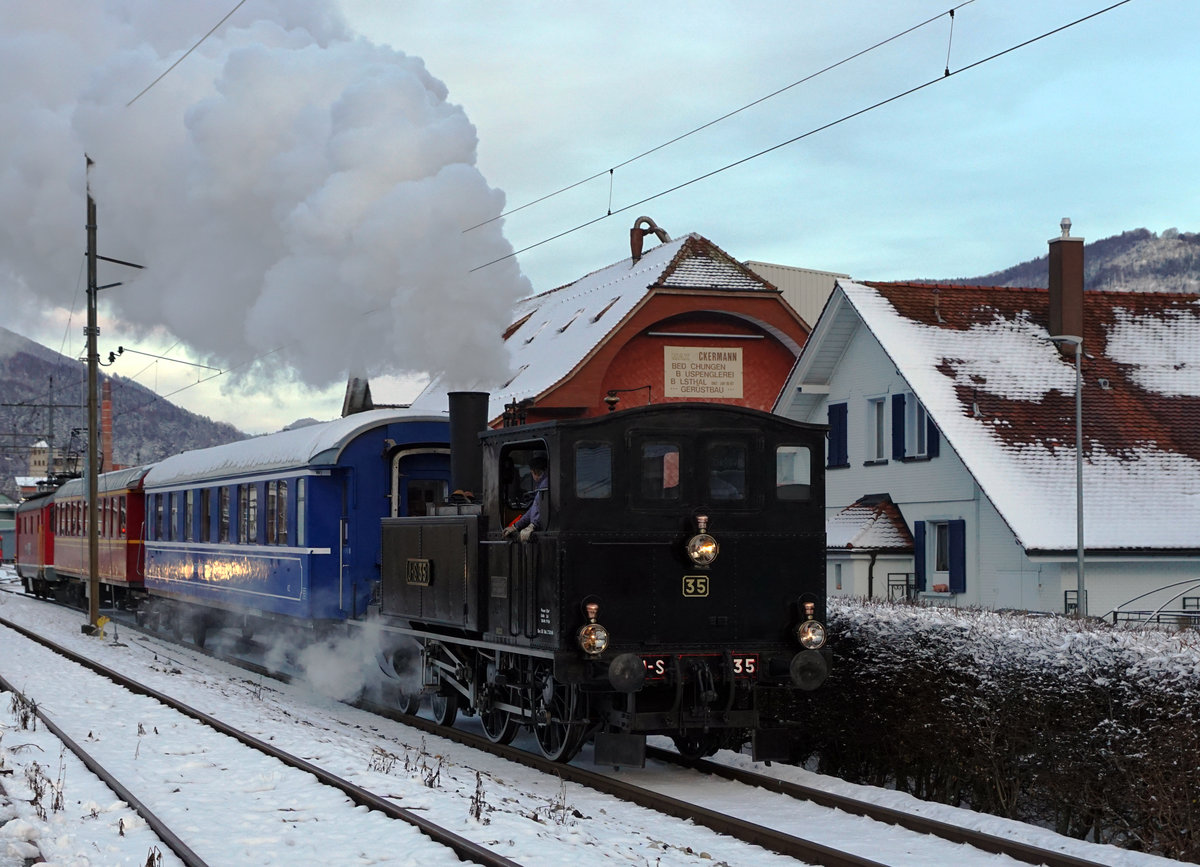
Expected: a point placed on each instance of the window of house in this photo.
(593, 470)
(793, 473)
(839, 454)
(876, 430)
(940, 556)
(914, 436)
(660, 471)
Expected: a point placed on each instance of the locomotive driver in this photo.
(532, 519)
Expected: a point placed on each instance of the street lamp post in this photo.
(1081, 591)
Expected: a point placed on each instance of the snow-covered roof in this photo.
(554, 332)
(314, 445)
(872, 523)
(116, 480)
(29, 481)
(980, 361)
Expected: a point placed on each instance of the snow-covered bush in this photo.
(1083, 727)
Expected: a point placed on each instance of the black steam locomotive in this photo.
(675, 587)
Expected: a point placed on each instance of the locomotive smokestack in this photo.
(468, 417)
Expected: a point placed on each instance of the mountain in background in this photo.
(1134, 261)
(146, 427)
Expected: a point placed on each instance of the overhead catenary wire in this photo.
(947, 74)
(186, 53)
(723, 117)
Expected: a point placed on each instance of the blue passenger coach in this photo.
(287, 525)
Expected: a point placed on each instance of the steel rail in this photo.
(1015, 849)
(168, 837)
(466, 849)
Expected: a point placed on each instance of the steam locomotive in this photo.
(676, 587)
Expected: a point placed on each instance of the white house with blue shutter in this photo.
(951, 407)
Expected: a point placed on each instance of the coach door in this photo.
(420, 481)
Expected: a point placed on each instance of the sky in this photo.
(258, 812)
(299, 185)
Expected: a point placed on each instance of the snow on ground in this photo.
(531, 818)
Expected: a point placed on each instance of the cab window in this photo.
(593, 471)
(660, 470)
(793, 473)
(727, 471)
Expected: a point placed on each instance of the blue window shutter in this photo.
(897, 427)
(958, 556)
(919, 554)
(932, 438)
(838, 450)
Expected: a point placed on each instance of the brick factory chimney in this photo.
(106, 435)
(1066, 286)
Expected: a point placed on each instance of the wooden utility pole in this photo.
(93, 362)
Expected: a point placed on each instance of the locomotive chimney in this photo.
(468, 418)
(1066, 286)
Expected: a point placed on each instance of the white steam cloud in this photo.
(288, 184)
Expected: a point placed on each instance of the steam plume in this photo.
(288, 184)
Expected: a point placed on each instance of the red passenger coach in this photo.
(120, 516)
(35, 543)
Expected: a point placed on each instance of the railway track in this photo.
(629, 787)
(167, 817)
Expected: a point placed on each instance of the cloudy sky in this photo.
(302, 180)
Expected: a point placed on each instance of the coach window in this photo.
(158, 516)
(205, 515)
(660, 471)
(301, 488)
(223, 514)
(727, 471)
(281, 513)
(793, 473)
(173, 529)
(189, 521)
(593, 471)
(271, 487)
(248, 514)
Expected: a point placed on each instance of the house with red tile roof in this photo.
(680, 321)
(957, 403)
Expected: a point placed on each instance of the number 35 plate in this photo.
(695, 586)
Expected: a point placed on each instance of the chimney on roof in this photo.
(637, 235)
(1066, 286)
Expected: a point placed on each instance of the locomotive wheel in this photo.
(408, 703)
(445, 709)
(498, 725)
(697, 745)
(558, 738)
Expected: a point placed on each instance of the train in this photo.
(674, 584)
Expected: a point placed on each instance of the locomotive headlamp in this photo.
(811, 634)
(702, 548)
(592, 637)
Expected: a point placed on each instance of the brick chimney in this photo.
(1066, 286)
(106, 444)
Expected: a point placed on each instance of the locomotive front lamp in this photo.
(592, 637)
(811, 634)
(702, 548)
